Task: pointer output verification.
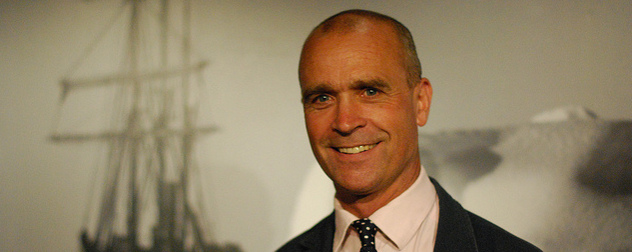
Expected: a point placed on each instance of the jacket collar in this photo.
(455, 231)
(321, 237)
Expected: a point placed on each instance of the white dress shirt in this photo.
(407, 223)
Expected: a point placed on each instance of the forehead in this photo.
(372, 49)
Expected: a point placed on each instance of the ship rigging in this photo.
(147, 196)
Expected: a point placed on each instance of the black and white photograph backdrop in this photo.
(530, 124)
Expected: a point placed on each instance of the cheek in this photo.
(314, 125)
(402, 123)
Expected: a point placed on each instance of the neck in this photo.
(363, 206)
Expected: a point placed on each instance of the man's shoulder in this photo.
(490, 237)
(314, 239)
(462, 230)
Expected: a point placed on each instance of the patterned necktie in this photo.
(366, 230)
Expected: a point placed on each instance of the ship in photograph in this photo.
(147, 195)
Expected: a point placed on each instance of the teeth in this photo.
(357, 149)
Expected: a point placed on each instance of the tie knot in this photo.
(366, 230)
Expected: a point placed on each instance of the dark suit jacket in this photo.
(459, 230)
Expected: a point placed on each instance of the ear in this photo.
(423, 96)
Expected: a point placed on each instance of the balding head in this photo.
(351, 21)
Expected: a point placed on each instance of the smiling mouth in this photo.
(356, 149)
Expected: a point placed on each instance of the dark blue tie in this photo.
(366, 230)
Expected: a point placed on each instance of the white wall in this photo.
(491, 63)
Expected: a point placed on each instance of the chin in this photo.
(357, 187)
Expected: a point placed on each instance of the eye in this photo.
(371, 91)
(318, 101)
(321, 98)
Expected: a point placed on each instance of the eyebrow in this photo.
(374, 83)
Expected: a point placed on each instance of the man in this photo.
(363, 98)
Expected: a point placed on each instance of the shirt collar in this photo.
(343, 220)
(399, 219)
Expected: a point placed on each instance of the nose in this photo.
(348, 117)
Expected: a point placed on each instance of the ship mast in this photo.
(132, 127)
(150, 153)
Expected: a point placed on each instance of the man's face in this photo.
(361, 114)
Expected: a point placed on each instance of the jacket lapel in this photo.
(455, 231)
(321, 237)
